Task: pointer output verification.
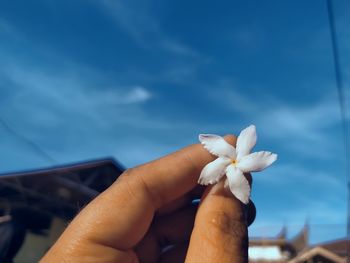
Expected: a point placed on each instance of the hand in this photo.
(149, 207)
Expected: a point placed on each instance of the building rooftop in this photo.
(59, 191)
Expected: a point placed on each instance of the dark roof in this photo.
(318, 254)
(283, 233)
(330, 251)
(338, 246)
(57, 191)
(301, 240)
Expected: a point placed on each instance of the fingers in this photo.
(165, 231)
(175, 205)
(182, 201)
(176, 227)
(120, 217)
(148, 250)
(220, 231)
(139, 193)
(174, 175)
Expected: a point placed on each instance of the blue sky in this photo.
(139, 79)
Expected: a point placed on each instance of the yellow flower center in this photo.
(234, 162)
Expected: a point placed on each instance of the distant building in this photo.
(297, 250)
(332, 251)
(279, 248)
(36, 206)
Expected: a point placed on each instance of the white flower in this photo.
(234, 161)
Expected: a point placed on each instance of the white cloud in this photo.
(137, 94)
(136, 19)
(301, 129)
(62, 88)
(227, 94)
(178, 48)
(132, 16)
(63, 104)
(293, 173)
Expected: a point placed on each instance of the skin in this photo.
(149, 207)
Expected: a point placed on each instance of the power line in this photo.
(338, 79)
(341, 100)
(32, 145)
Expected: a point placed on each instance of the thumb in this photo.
(220, 231)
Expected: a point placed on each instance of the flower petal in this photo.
(213, 171)
(217, 145)
(256, 162)
(246, 141)
(238, 184)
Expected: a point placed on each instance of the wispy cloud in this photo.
(178, 48)
(306, 125)
(136, 19)
(307, 121)
(137, 94)
(41, 92)
(294, 173)
(65, 107)
(63, 104)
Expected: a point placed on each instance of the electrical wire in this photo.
(32, 145)
(341, 100)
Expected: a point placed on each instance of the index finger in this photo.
(120, 216)
(174, 175)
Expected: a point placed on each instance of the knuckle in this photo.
(133, 179)
(125, 176)
(127, 172)
(188, 158)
